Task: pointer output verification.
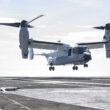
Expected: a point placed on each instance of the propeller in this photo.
(16, 24)
(107, 27)
(89, 27)
(23, 23)
(100, 27)
(35, 18)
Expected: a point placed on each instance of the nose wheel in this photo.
(85, 65)
(51, 68)
(75, 67)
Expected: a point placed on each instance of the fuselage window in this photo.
(74, 50)
(69, 52)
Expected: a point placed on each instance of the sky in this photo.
(65, 20)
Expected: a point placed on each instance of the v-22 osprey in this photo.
(63, 53)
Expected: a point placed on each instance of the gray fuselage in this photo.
(62, 57)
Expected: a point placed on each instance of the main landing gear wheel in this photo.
(85, 65)
(51, 68)
(75, 67)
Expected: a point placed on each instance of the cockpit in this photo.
(23, 23)
(78, 50)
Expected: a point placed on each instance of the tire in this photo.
(53, 68)
(73, 67)
(76, 68)
(50, 68)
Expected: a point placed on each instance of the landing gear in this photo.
(75, 67)
(85, 65)
(51, 68)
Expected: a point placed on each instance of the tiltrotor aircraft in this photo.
(63, 53)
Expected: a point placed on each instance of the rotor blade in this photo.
(15, 25)
(100, 27)
(30, 26)
(35, 18)
(11, 24)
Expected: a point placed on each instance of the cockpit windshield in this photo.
(80, 50)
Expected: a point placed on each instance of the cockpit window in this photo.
(80, 50)
(87, 49)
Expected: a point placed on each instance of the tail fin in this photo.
(43, 54)
(31, 53)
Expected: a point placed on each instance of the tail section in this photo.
(31, 53)
(43, 54)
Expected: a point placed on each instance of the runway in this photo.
(90, 93)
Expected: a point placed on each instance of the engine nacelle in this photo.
(107, 47)
(24, 50)
(107, 37)
(24, 41)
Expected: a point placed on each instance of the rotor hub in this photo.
(107, 26)
(23, 23)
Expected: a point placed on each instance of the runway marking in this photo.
(17, 103)
(62, 82)
(70, 83)
(78, 83)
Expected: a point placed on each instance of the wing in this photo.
(93, 45)
(45, 45)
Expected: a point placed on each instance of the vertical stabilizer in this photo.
(31, 53)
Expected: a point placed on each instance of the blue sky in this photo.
(61, 21)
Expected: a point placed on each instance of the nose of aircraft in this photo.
(87, 57)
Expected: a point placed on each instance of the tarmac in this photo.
(55, 93)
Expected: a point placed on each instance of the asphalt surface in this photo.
(55, 94)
